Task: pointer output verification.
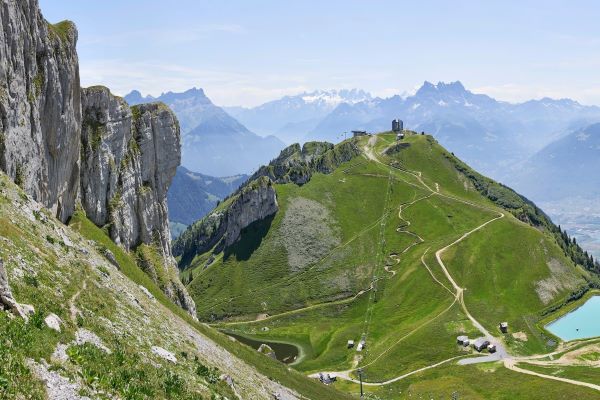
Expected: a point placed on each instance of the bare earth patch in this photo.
(522, 336)
(308, 232)
(561, 278)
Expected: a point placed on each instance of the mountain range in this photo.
(292, 117)
(491, 135)
(566, 167)
(213, 142)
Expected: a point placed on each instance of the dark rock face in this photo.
(40, 111)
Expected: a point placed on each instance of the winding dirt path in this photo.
(511, 364)
(458, 294)
(432, 274)
(345, 375)
(300, 310)
(458, 289)
(73, 310)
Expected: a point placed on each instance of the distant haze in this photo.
(247, 53)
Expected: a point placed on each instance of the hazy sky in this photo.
(248, 52)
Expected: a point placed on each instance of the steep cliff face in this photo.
(222, 228)
(117, 161)
(40, 112)
(128, 159)
(255, 202)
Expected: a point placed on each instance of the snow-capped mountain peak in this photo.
(335, 97)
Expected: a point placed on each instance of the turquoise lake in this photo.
(581, 323)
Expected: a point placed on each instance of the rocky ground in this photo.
(100, 307)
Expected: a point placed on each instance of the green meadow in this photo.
(359, 261)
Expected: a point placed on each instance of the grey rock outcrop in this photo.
(222, 228)
(40, 113)
(254, 203)
(129, 157)
(297, 164)
(116, 160)
(7, 301)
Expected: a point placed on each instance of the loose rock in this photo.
(53, 321)
(165, 354)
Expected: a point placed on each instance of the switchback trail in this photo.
(458, 295)
(509, 362)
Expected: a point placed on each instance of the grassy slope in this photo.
(47, 270)
(584, 373)
(412, 310)
(263, 364)
(502, 274)
(263, 276)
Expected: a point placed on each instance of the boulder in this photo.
(53, 322)
(7, 301)
(165, 354)
(267, 350)
(110, 257)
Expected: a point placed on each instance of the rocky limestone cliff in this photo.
(253, 203)
(128, 159)
(222, 228)
(40, 113)
(116, 160)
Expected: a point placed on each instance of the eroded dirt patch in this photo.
(561, 278)
(308, 232)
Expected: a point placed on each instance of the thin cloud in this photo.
(164, 35)
(223, 87)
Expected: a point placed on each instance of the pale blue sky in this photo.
(248, 52)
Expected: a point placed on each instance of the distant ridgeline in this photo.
(257, 199)
(526, 211)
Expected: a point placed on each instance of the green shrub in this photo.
(31, 281)
(211, 375)
(16, 381)
(173, 385)
(20, 176)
